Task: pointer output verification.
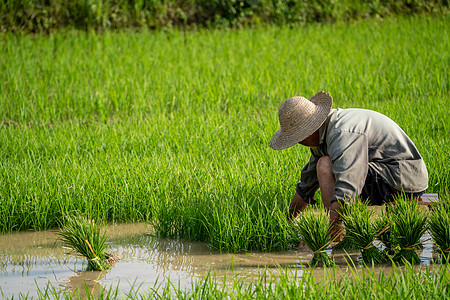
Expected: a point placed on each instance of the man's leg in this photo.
(378, 191)
(326, 180)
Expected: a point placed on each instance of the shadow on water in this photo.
(31, 260)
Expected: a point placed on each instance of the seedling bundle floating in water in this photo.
(362, 229)
(439, 223)
(313, 230)
(87, 238)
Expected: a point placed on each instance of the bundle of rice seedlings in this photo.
(313, 231)
(385, 236)
(362, 229)
(407, 224)
(86, 238)
(439, 226)
(346, 244)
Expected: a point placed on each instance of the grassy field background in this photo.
(47, 16)
(174, 127)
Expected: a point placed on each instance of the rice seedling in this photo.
(177, 136)
(385, 236)
(313, 229)
(407, 223)
(346, 244)
(362, 229)
(239, 225)
(356, 283)
(439, 226)
(86, 238)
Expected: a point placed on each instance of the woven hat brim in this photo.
(286, 139)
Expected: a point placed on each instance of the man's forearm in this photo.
(334, 210)
(298, 204)
(335, 220)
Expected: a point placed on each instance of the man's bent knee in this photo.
(324, 165)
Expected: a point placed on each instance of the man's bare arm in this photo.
(335, 222)
(297, 205)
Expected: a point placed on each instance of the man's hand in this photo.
(335, 229)
(297, 205)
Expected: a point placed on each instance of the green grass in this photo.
(313, 230)
(85, 238)
(50, 15)
(174, 128)
(439, 225)
(365, 283)
(407, 224)
(362, 228)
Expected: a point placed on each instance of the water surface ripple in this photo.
(31, 260)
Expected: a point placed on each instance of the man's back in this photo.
(357, 137)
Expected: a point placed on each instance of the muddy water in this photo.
(31, 260)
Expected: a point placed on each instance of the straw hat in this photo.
(299, 118)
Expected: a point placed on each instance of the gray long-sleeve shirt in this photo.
(356, 139)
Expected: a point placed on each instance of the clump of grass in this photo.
(86, 238)
(346, 244)
(385, 236)
(362, 229)
(355, 283)
(313, 230)
(242, 225)
(439, 225)
(95, 143)
(407, 224)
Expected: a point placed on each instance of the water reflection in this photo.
(83, 280)
(28, 259)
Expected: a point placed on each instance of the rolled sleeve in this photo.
(349, 153)
(309, 183)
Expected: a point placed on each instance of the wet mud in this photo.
(29, 261)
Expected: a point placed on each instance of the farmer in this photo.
(353, 152)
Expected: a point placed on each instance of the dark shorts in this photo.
(378, 191)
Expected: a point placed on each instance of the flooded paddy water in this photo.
(29, 261)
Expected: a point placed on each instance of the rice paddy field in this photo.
(173, 127)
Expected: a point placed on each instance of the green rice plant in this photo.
(86, 238)
(355, 283)
(362, 229)
(439, 226)
(178, 135)
(242, 225)
(407, 222)
(385, 236)
(346, 244)
(313, 228)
